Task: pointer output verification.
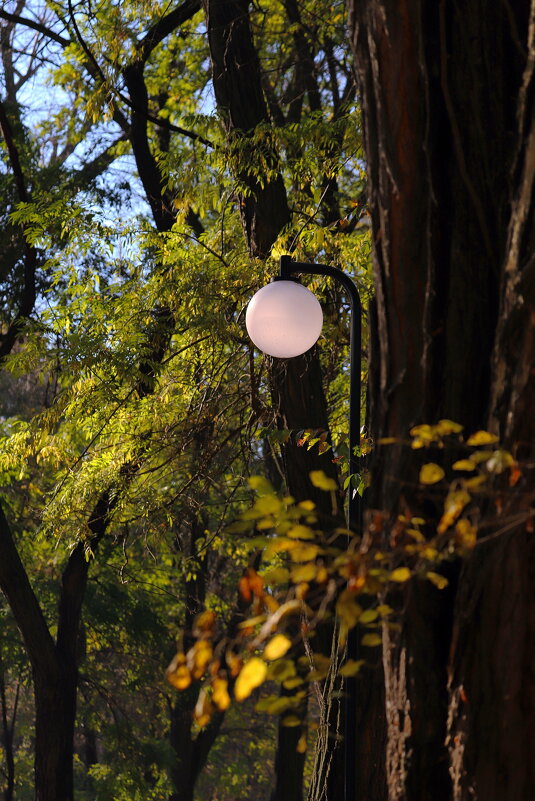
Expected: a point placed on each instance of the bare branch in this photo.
(37, 26)
(165, 26)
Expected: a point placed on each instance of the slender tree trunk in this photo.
(8, 729)
(55, 712)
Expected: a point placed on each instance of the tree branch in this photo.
(30, 261)
(27, 612)
(36, 26)
(165, 26)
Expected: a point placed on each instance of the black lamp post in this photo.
(284, 319)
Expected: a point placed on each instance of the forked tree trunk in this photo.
(447, 92)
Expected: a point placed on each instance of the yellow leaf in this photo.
(400, 574)
(251, 622)
(475, 482)
(384, 610)
(347, 609)
(203, 710)
(302, 744)
(387, 440)
(281, 670)
(482, 438)
(204, 624)
(424, 432)
(199, 657)
(301, 533)
(499, 461)
(251, 676)
(261, 485)
(220, 695)
(292, 683)
(307, 506)
(351, 667)
(368, 616)
(464, 464)
(304, 553)
(322, 481)
(264, 523)
(371, 640)
(429, 553)
(445, 427)
(267, 505)
(277, 647)
(233, 661)
(291, 720)
(415, 534)
(276, 575)
(453, 506)
(275, 704)
(438, 580)
(480, 456)
(301, 590)
(178, 673)
(278, 544)
(418, 442)
(306, 572)
(430, 473)
(465, 533)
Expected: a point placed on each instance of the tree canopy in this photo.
(170, 497)
(156, 161)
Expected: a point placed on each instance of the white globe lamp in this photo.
(284, 319)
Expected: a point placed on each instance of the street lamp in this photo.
(284, 319)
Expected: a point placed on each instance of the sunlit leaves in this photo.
(482, 438)
(251, 676)
(351, 667)
(400, 575)
(454, 504)
(372, 640)
(178, 674)
(431, 473)
(277, 647)
(220, 694)
(322, 481)
(435, 578)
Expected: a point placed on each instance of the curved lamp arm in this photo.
(289, 268)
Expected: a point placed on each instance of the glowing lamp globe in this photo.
(284, 319)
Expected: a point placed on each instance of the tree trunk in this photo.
(7, 736)
(55, 712)
(447, 98)
(238, 90)
(297, 388)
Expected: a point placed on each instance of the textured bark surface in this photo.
(447, 92)
(240, 99)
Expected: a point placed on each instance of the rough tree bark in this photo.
(447, 92)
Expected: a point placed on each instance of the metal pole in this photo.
(288, 268)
